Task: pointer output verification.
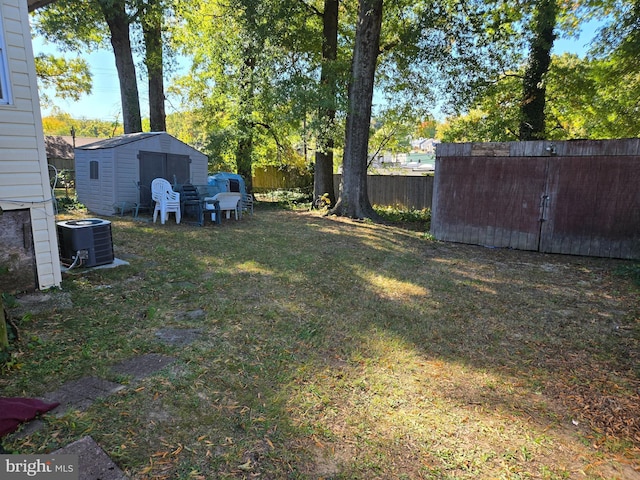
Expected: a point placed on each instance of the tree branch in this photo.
(311, 8)
(387, 138)
(33, 5)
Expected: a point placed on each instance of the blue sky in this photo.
(104, 102)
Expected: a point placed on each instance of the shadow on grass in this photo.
(340, 349)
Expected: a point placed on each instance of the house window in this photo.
(5, 91)
(93, 170)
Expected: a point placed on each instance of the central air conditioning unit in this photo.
(85, 242)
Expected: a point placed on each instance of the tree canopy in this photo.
(269, 81)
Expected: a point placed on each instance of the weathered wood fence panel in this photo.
(412, 192)
(580, 198)
(594, 207)
(473, 193)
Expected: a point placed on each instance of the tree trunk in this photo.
(532, 123)
(116, 17)
(323, 173)
(244, 151)
(152, 33)
(354, 200)
(4, 338)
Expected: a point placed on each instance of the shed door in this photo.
(489, 201)
(593, 207)
(172, 167)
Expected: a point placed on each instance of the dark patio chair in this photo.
(191, 205)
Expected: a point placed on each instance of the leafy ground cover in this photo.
(333, 348)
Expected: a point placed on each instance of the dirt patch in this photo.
(40, 302)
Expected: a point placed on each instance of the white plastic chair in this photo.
(228, 201)
(166, 199)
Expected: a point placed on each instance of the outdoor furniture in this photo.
(144, 202)
(247, 203)
(190, 202)
(166, 199)
(213, 206)
(124, 207)
(227, 202)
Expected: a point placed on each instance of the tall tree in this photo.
(353, 200)
(532, 123)
(244, 151)
(152, 13)
(78, 25)
(117, 19)
(323, 173)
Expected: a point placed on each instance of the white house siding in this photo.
(24, 178)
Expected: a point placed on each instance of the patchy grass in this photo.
(343, 349)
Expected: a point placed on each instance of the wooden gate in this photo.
(580, 198)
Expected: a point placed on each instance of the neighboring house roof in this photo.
(61, 146)
(58, 147)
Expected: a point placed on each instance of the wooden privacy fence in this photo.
(574, 197)
(270, 178)
(412, 192)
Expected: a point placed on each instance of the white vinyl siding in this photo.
(24, 175)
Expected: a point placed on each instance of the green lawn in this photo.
(340, 349)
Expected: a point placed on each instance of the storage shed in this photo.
(117, 172)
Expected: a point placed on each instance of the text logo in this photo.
(49, 467)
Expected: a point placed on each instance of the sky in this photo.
(104, 101)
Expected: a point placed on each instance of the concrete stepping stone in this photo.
(93, 462)
(143, 366)
(80, 394)
(178, 336)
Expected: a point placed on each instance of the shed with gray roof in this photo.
(118, 171)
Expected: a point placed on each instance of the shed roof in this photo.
(120, 140)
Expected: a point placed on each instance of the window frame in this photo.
(94, 170)
(5, 72)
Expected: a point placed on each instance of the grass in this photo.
(342, 349)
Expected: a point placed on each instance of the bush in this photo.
(69, 204)
(399, 214)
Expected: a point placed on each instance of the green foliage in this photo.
(70, 78)
(586, 98)
(292, 198)
(69, 204)
(60, 123)
(417, 219)
(632, 271)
